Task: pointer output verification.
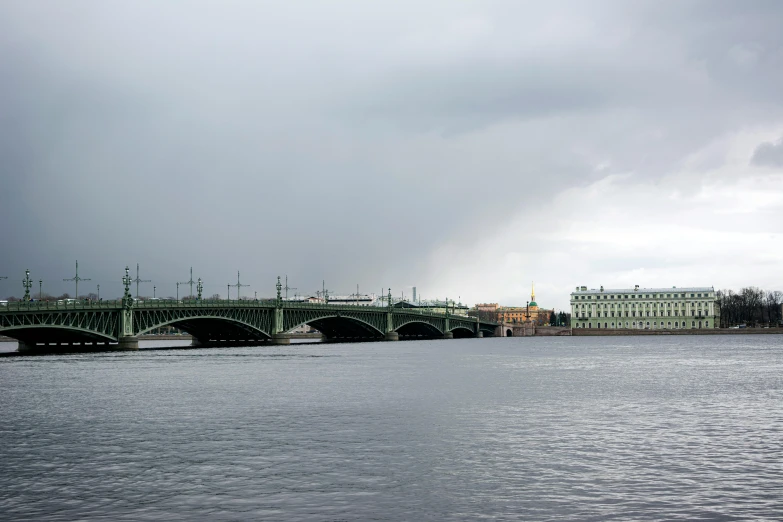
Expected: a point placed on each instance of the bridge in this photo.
(102, 325)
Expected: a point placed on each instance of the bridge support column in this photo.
(391, 335)
(448, 335)
(128, 343)
(26, 348)
(280, 338)
(480, 334)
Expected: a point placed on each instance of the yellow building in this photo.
(516, 314)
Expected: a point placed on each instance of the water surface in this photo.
(644, 428)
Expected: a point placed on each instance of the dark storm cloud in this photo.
(769, 154)
(344, 141)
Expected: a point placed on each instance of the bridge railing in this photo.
(24, 306)
(109, 304)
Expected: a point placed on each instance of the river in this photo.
(563, 428)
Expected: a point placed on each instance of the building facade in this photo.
(514, 314)
(645, 308)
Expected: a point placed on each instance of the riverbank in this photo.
(585, 332)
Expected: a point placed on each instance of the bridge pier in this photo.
(448, 335)
(391, 336)
(480, 334)
(280, 338)
(128, 343)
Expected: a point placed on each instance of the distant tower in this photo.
(414, 294)
(533, 295)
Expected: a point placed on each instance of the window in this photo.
(676, 324)
(669, 324)
(626, 324)
(706, 324)
(693, 324)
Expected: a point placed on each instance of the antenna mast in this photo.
(76, 279)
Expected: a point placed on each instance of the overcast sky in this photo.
(466, 148)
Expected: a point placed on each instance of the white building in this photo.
(645, 308)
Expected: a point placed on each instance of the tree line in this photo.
(750, 306)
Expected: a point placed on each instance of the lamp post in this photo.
(27, 283)
(99, 292)
(127, 298)
(40, 289)
(178, 291)
(199, 288)
(153, 291)
(228, 292)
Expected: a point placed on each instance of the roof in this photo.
(671, 290)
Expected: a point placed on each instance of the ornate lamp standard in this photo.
(127, 298)
(27, 284)
(40, 289)
(199, 288)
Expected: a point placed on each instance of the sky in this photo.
(466, 148)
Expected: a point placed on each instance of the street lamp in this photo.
(27, 283)
(99, 292)
(177, 291)
(40, 289)
(153, 291)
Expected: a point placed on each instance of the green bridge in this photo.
(49, 326)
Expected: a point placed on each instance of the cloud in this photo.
(768, 154)
(355, 142)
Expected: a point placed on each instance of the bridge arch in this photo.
(462, 332)
(415, 328)
(342, 327)
(509, 332)
(31, 335)
(488, 332)
(207, 329)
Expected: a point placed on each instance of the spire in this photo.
(533, 291)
